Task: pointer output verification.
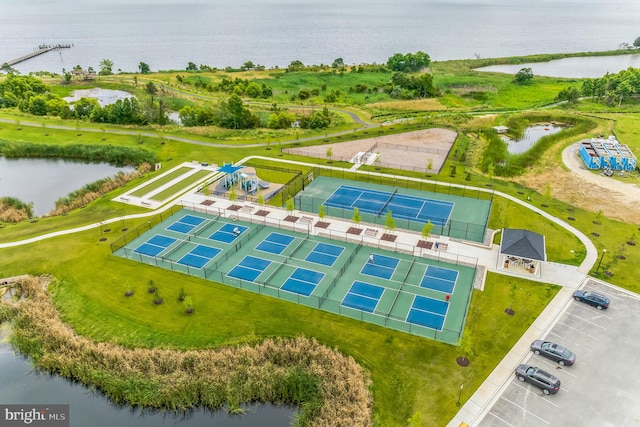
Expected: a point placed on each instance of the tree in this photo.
(338, 63)
(192, 66)
(232, 194)
(290, 205)
(321, 212)
(248, 66)
(426, 230)
(356, 216)
(411, 62)
(570, 94)
(329, 153)
(144, 68)
(253, 90)
(636, 42)
(260, 198)
(389, 222)
(188, 305)
(151, 88)
(295, 65)
(525, 75)
(106, 67)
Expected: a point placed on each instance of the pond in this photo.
(532, 134)
(43, 181)
(20, 383)
(103, 96)
(583, 67)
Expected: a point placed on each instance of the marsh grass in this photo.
(329, 388)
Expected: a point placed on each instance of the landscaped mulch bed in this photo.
(321, 224)
(262, 213)
(291, 218)
(234, 207)
(207, 202)
(354, 230)
(425, 244)
(388, 237)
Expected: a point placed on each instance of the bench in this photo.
(146, 203)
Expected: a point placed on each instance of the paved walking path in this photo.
(569, 277)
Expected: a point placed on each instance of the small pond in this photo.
(532, 134)
(103, 96)
(583, 67)
(43, 181)
(20, 383)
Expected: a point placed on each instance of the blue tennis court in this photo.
(155, 245)
(226, 233)
(403, 206)
(439, 279)
(428, 312)
(186, 224)
(275, 243)
(363, 296)
(199, 256)
(325, 254)
(382, 266)
(249, 268)
(302, 281)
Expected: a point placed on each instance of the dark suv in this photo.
(536, 376)
(595, 299)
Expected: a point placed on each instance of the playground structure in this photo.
(607, 154)
(243, 177)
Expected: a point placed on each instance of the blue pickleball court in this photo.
(382, 266)
(428, 312)
(249, 268)
(275, 243)
(380, 202)
(186, 224)
(325, 254)
(226, 235)
(302, 281)
(199, 256)
(155, 245)
(439, 279)
(363, 296)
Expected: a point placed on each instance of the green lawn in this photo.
(148, 188)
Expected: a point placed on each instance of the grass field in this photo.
(148, 188)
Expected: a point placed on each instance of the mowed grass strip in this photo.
(163, 195)
(160, 182)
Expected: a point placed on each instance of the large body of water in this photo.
(167, 34)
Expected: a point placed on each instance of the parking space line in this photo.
(589, 321)
(582, 332)
(555, 365)
(599, 312)
(528, 412)
(494, 415)
(535, 394)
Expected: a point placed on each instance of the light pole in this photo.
(604, 251)
(459, 394)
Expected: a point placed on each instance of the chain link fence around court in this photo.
(390, 316)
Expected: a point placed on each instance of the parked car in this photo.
(553, 351)
(539, 378)
(595, 299)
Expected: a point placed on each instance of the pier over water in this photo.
(43, 48)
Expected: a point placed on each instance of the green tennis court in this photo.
(397, 291)
(452, 215)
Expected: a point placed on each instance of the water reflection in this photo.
(20, 383)
(532, 134)
(43, 181)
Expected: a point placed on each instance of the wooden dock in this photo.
(43, 48)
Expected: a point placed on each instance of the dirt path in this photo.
(587, 190)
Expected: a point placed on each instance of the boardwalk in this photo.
(39, 51)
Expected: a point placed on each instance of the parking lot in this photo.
(601, 388)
